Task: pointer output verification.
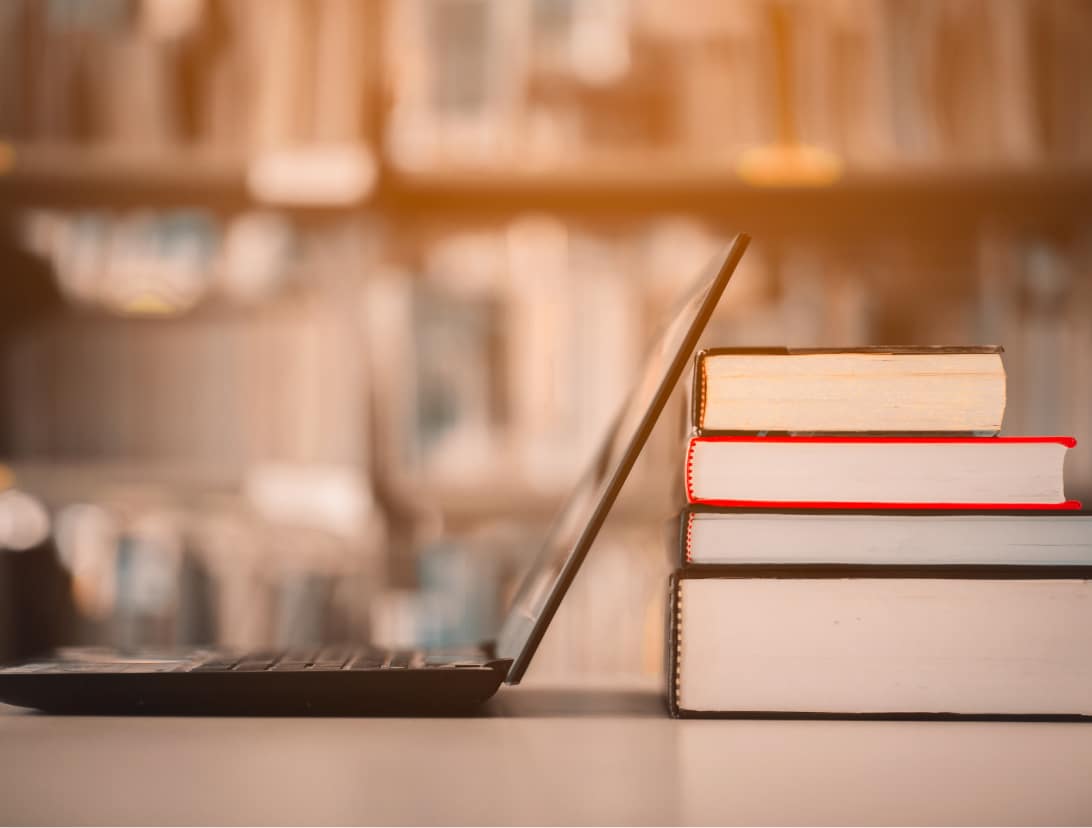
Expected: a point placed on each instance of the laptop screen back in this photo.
(582, 516)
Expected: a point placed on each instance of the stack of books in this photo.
(859, 541)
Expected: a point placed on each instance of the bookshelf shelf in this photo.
(109, 179)
(631, 189)
(900, 195)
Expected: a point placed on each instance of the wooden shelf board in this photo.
(905, 195)
(622, 188)
(105, 178)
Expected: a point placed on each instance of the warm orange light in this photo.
(149, 304)
(7, 158)
(789, 165)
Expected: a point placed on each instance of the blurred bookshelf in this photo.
(405, 254)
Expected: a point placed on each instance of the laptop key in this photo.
(253, 665)
(36, 667)
(404, 659)
(218, 664)
(291, 665)
(91, 667)
(153, 667)
(371, 660)
(329, 663)
(332, 658)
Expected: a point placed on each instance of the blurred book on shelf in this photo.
(519, 346)
(164, 74)
(540, 84)
(974, 82)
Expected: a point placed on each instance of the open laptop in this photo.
(368, 680)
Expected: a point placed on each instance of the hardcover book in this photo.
(881, 641)
(875, 472)
(707, 536)
(863, 390)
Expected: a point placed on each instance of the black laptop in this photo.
(367, 680)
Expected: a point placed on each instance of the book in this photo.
(994, 641)
(877, 472)
(935, 390)
(708, 536)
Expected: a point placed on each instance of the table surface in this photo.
(541, 757)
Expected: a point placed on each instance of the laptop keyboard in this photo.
(326, 659)
(318, 660)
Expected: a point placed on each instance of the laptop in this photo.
(363, 680)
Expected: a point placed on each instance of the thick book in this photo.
(709, 536)
(881, 641)
(877, 390)
(878, 472)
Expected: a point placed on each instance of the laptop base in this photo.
(74, 684)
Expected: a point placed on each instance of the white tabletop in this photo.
(542, 757)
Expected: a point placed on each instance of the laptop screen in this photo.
(582, 516)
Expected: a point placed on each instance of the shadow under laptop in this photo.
(569, 702)
(522, 703)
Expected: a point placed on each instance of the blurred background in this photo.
(311, 310)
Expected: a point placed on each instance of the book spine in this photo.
(688, 472)
(678, 541)
(697, 396)
(674, 645)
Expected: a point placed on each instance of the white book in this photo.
(830, 537)
(860, 472)
(956, 390)
(875, 645)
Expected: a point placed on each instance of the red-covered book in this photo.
(878, 472)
